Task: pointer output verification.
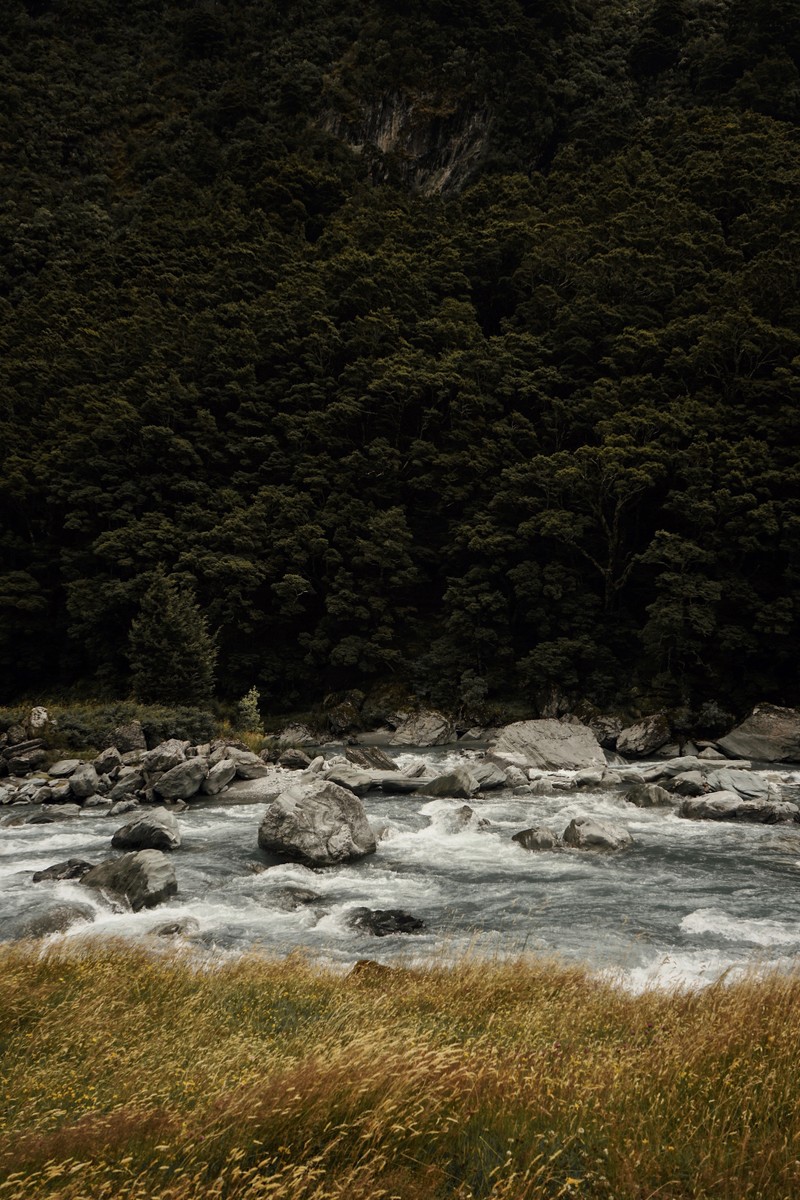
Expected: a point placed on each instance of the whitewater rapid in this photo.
(689, 901)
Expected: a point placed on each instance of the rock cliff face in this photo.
(432, 144)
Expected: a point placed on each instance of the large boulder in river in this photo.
(424, 728)
(769, 733)
(56, 919)
(318, 823)
(537, 838)
(156, 829)
(646, 736)
(649, 795)
(145, 878)
(381, 922)
(183, 781)
(549, 745)
(730, 806)
(584, 833)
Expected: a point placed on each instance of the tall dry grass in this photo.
(148, 1078)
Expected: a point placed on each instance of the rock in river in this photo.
(769, 733)
(381, 922)
(549, 745)
(156, 829)
(183, 781)
(730, 806)
(586, 834)
(317, 822)
(145, 878)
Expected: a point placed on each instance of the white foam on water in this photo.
(758, 931)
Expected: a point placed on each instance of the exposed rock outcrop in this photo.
(769, 733)
(548, 745)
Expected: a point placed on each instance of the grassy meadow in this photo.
(134, 1075)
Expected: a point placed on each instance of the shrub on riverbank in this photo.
(135, 1076)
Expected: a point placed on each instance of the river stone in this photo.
(248, 765)
(769, 733)
(424, 728)
(73, 868)
(381, 922)
(164, 756)
(317, 822)
(588, 834)
(458, 784)
(53, 812)
(649, 795)
(144, 877)
(748, 784)
(487, 775)
(84, 782)
(60, 792)
(353, 778)
(370, 758)
(549, 745)
(646, 736)
(294, 759)
(63, 768)
(689, 783)
(516, 778)
(128, 737)
(292, 897)
(182, 781)
(129, 780)
(730, 806)
(182, 927)
(126, 804)
(153, 830)
(218, 777)
(537, 838)
(56, 919)
(297, 735)
(21, 764)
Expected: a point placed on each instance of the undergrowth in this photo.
(134, 1076)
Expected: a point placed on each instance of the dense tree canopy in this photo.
(457, 342)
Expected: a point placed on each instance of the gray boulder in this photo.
(488, 775)
(730, 806)
(84, 782)
(183, 781)
(145, 878)
(125, 805)
(293, 897)
(294, 759)
(218, 777)
(248, 765)
(689, 783)
(537, 838)
(164, 756)
(748, 784)
(586, 834)
(649, 795)
(548, 745)
(370, 758)
(459, 784)
(63, 768)
(646, 736)
(183, 927)
(318, 823)
(129, 780)
(107, 761)
(424, 728)
(770, 733)
(153, 830)
(352, 778)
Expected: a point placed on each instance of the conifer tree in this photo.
(170, 650)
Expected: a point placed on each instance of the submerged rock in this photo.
(56, 919)
(317, 822)
(549, 745)
(73, 868)
(182, 927)
(382, 922)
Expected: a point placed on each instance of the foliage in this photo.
(248, 713)
(505, 399)
(74, 726)
(516, 1080)
(171, 652)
